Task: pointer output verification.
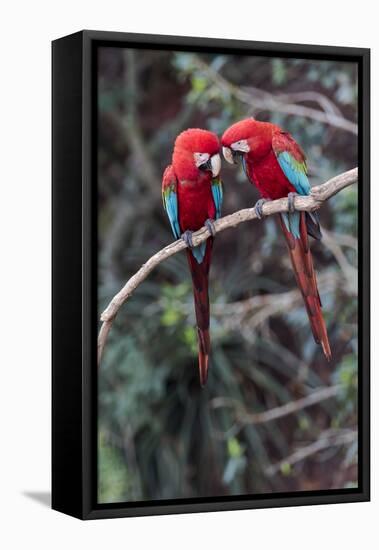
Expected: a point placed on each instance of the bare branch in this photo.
(256, 310)
(243, 417)
(328, 439)
(319, 194)
(260, 100)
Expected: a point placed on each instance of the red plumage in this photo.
(261, 142)
(262, 167)
(199, 274)
(195, 200)
(195, 205)
(305, 275)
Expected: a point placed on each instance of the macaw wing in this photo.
(218, 194)
(291, 159)
(170, 199)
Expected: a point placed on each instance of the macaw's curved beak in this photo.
(215, 165)
(229, 155)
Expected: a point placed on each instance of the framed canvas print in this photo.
(210, 275)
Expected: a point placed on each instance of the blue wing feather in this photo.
(199, 252)
(170, 199)
(292, 223)
(170, 203)
(294, 173)
(217, 193)
(171, 206)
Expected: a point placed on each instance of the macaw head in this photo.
(196, 151)
(248, 138)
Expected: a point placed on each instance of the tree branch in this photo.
(247, 315)
(256, 310)
(260, 100)
(244, 417)
(327, 439)
(319, 194)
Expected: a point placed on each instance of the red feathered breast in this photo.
(269, 178)
(195, 202)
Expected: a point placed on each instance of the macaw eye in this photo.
(240, 146)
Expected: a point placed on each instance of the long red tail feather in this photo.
(199, 273)
(302, 264)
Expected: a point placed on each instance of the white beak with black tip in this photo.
(212, 163)
(238, 147)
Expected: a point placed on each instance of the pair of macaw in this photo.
(192, 197)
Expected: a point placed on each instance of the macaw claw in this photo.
(187, 238)
(291, 202)
(209, 224)
(258, 208)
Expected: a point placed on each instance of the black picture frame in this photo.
(75, 324)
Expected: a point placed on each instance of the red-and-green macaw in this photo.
(192, 197)
(276, 165)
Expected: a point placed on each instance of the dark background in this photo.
(160, 435)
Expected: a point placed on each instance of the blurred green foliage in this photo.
(160, 435)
